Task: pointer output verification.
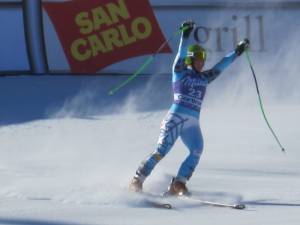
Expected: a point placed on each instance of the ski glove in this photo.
(242, 46)
(187, 28)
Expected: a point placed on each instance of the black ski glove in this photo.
(242, 46)
(187, 28)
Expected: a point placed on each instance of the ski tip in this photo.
(240, 206)
(157, 204)
(167, 206)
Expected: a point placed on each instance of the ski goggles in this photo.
(198, 55)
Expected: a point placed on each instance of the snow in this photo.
(65, 169)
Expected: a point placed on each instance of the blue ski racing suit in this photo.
(182, 119)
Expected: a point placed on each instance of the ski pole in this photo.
(261, 103)
(146, 63)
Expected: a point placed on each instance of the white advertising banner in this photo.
(270, 30)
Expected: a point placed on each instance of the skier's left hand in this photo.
(242, 46)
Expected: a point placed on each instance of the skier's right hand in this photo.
(187, 28)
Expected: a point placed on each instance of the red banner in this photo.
(98, 33)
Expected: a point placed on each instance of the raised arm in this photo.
(226, 61)
(186, 28)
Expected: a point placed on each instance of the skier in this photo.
(189, 85)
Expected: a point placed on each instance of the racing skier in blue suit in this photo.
(189, 86)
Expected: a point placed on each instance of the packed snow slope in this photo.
(68, 152)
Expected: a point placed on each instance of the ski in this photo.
(155, 201)
(160, 201)
(210, 203)
(157, 204)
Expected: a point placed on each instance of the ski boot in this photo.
(136, 185)
(177, 188)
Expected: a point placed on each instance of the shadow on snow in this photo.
(14, 221)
